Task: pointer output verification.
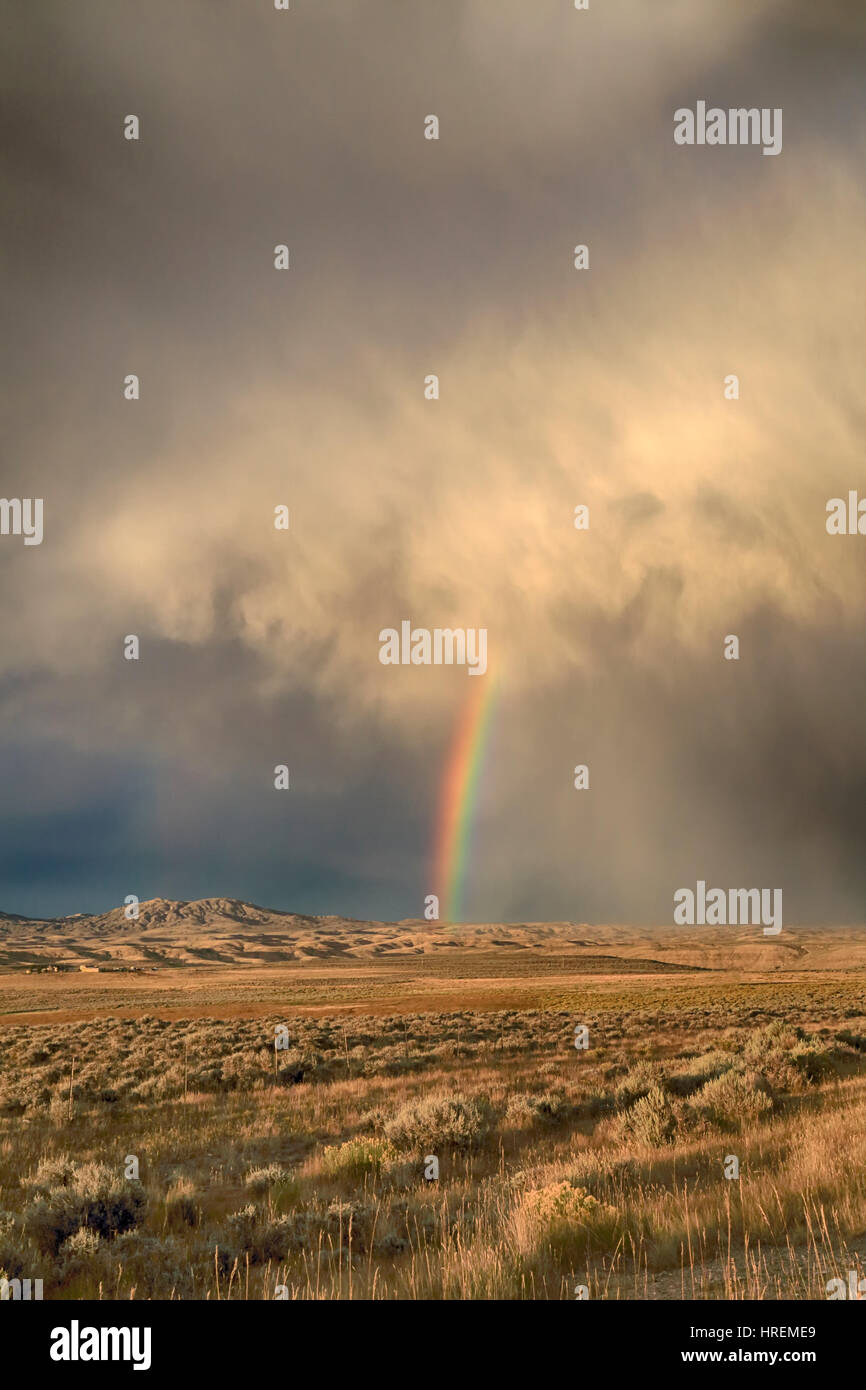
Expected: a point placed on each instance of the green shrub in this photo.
(698, 1070)
(544, 1107)
(565, 1218)
(814, 1063)
(261, 1180)
(80, 1254)
(356, 1159)
(734, 1099)
(93, 1196)
(651, 1120)
(788, 1057)
(441, 1121)
(639, 1081)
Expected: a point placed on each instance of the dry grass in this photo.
(305, 1168)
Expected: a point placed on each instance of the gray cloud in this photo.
(557, 387)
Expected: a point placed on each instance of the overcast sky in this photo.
(306, 387)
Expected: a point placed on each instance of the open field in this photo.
(305, 1169)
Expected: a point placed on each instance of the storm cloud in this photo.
(558, 387)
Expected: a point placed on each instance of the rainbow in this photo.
(459, 795)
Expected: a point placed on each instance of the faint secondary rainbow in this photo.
(459, 796)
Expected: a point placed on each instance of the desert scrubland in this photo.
(304, 1170)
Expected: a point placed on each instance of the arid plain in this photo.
(228, 1101)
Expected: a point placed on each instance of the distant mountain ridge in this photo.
(228, 931)
(164, 912)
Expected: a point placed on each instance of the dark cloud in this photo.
(557, 388)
